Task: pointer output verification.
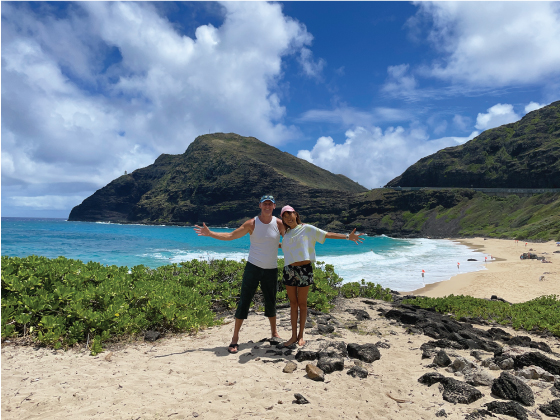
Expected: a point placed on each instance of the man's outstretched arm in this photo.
(225, 236)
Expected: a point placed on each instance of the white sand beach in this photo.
(508, 276)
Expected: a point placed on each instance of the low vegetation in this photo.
(62, 302)
(540, 314)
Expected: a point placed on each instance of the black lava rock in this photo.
(456, 391)
(509, 408)
(552, 409)
(300, 399)
(360, 314)
(431, 378)
(510, 387)
(151, 335)
(358, 372)
(367, 352)
(538, 359)
(330, 364)
(442, 359)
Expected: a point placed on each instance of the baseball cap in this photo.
(286, 208)
(267, 198)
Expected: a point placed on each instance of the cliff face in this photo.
(524, 154)
(217, 180)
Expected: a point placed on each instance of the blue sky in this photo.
(365, 89)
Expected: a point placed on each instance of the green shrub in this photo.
(542, 313)
(61, 302)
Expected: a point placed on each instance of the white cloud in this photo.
(348, 116)
(497, 115)
(400, 82)
(372, 156)
(533, 106)
(461, 122)
(311, 68)
(493, 43)
(68, 118)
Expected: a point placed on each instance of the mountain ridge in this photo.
(523, 154)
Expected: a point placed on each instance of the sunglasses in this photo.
(266, 198)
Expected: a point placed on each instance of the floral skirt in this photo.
(299, 276)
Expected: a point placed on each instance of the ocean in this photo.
(393, 263)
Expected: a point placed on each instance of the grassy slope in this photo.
(536, 217)
(282, 162)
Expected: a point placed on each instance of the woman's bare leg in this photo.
(302, 304)
(292, 295)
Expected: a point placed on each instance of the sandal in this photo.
(233, 348)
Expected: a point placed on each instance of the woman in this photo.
(298, 245)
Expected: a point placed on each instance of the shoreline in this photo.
(506, 276)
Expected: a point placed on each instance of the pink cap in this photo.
(286, 208)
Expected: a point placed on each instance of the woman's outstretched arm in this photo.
(352, 236)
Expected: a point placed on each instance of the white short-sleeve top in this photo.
(298, 244)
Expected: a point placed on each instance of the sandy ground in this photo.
(184, 376)
(507, 276)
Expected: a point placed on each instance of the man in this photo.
(262, 264)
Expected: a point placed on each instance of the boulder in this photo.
(506, 364)
(535, 372)
(365, 352)
(460, 364)
(303, 355)
(479, 377)
(538, 359)
(479, 414)
(510, 387)
(290, 367)
(325, 329)
(330, 364)
(360, 314)
(332, 349)
(552, 409)
(431, 378)
(313, 372)
(442, 359)
(441, 413)
(509, 408)
(455, 391)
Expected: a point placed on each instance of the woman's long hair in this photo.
(298, 221)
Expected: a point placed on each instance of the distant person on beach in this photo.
(298, 245)
(262, 264)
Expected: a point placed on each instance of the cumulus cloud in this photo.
(372, 156)
(112, 85)
(533, 106)
(492, 43)
(497, 115)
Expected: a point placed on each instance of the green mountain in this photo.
(220, 177)
(217, 180)
(524, 154)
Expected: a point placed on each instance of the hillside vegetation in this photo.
(524, 154)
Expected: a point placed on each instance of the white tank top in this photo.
(264, 244)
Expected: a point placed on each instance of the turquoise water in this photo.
(394, 263)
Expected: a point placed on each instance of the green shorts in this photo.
(252, 276)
